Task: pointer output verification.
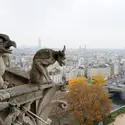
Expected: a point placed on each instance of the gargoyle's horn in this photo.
(64, 49)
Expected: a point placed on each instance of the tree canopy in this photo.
(89, 103)
(98, 79)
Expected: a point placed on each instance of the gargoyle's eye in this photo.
(1, 40)
(61, 54)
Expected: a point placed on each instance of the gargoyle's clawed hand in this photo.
(50, 81)
(3, 50)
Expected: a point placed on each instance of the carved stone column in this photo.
(6, 58)
(2, 70)
(45, 105)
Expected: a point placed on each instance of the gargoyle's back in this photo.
(43, 54)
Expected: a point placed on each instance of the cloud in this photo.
(97, 23)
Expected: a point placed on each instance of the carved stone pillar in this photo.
(45, 105)
(2, 70)
(6, 58)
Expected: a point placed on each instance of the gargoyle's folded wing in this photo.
(43, 54)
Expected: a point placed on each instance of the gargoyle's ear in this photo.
(59, 52)
(64, 49)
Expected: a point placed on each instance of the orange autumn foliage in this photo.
(98, 79)
(77, 80)
(89, 103)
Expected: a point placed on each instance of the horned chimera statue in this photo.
(42, 59)
(5, 44)
(39, 75)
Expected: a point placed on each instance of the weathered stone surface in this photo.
(31, 104)
(5, 44)
(25, 94)
(24, 89)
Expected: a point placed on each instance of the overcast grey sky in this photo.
(96, 23)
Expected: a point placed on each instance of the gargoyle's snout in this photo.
(13, 44)
(9, 44)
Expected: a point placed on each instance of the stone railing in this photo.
(16, 77)
(27, 103)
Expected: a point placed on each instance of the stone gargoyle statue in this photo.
(5, 51)
(42, 59)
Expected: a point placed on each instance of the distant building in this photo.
(106, 71)
(81, 71)
(57, 78)
(101, 61)
(81, 61)
(116, 68)
(39, 43)
(56, 75)
(122, 65)
(71, 74)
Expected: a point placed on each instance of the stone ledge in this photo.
(17, 72)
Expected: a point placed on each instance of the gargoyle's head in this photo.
(6, 43)
(61, 57)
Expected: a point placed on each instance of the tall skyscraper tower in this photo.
(39, 43)
(85, 47)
